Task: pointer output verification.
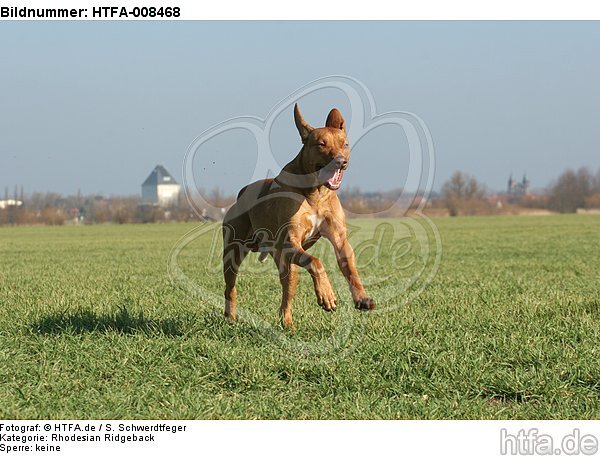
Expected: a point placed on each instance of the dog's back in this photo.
(237, 223)
(256, 189)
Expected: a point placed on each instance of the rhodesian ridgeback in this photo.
(285, 216)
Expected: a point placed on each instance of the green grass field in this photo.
(92, 326)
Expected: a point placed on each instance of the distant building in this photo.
(160, 188)
(10, 203)
(517, 190)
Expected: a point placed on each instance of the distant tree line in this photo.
(55, 209)
(573, 190)
(462, 194)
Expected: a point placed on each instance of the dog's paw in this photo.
(327, 300)
(289, 326)
(229, 318)
(365, 304)
(286, 322)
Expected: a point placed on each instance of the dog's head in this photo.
(326, 151)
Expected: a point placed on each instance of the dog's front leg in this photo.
(288, 276)
(296, 255)
(347, 263)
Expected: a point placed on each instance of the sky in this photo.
(94, 106)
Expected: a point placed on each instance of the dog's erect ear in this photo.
(303, 128)
(335, 120)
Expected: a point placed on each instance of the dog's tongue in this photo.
(333, 177)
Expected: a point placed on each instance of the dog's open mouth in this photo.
(331, 178)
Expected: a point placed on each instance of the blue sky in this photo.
(96, 105)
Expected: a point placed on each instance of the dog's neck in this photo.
(294, 173)
(295, 176)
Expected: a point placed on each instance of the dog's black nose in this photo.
(340, 162)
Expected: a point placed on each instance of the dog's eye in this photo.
(321, 144)
(346, 146)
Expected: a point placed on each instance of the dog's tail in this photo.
(264, 253)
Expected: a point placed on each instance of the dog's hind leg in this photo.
(288, 276)
(234, 253)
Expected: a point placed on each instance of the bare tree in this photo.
(463, 194)
(596, 182)
(52, 216)
(570, 190)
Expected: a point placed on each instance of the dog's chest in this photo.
(315, 221)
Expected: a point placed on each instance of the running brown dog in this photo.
(285, 216)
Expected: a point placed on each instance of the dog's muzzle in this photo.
(331, 175)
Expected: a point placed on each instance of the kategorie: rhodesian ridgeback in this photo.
(285, 216)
